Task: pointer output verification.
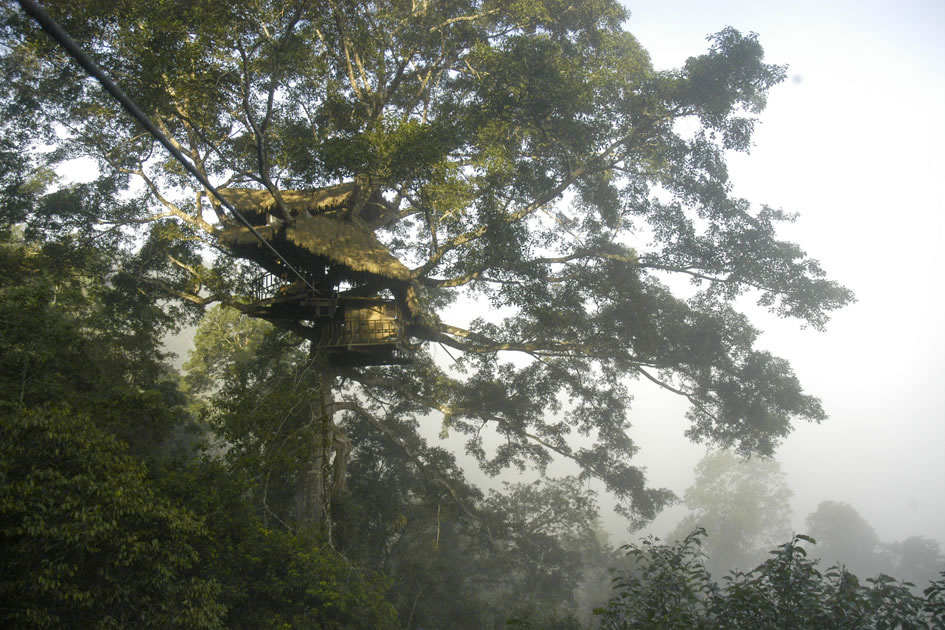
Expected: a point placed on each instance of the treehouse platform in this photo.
(341, 307)
(355, 331)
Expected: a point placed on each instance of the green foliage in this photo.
(291, 581)
(90, 541)
(273, 578)
(916, 559)
(511, 154)
(107, 516)
(87, 541)
(520, 149)
(258, 396)
(546, 535)
(225, 351)
(934, 605)
(845, 538)
(451, 555)
(411, 514)
(669, 587)
(58, 344)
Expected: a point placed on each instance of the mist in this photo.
(870, 210)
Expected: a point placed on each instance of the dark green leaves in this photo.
(87, 541)
(669, 587)
(728, 79)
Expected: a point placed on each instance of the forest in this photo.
(390, 225)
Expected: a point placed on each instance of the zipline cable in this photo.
(62, 38)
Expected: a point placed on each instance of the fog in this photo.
(851, 142)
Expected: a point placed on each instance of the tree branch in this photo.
(409, 452)
(591, 165)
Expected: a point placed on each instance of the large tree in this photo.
(523, 156)
(844, 537)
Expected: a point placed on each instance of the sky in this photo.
(851, 141)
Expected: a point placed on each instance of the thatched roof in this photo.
(338, 240)
(296, 201)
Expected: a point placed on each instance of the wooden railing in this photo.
(267, 286)
(360, 332)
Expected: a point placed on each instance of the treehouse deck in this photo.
(356, 331)
(355, 326)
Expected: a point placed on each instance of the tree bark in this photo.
(323, 474)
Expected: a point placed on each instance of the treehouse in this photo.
(359, 297)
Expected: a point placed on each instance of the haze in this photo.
(852, 142)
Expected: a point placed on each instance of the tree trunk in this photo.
(323, 474)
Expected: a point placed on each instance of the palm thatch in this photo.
(341, 242)
(297, 202)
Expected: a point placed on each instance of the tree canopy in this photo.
(108, 517)
(671, 588)
(743, 505)
(845, 537)
(525, 156)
